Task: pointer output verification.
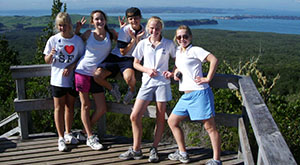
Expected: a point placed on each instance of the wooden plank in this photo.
(272, 145)
(245, 145)
(225, 81)
(27, 71)
(9, 119)
(38, 151)
(10, 133)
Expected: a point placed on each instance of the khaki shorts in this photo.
(160, 93)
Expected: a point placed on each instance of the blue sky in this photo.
(290, 5)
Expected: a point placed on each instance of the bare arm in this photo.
(211, 72)
(137, 65)
(134, 40)
(49, 58)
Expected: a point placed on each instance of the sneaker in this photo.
(177, 156)
(62, 145)
(115, 92)
(128, 97)
(153, 157)
(93, 142)
(80, 137)
(131, 154)
(213, 162)
(70, 139)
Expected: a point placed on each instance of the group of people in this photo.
(81, 64)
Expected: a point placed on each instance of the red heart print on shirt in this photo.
(69, 48)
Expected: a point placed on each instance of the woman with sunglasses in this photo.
(197, 102)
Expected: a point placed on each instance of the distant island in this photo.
(239, 17)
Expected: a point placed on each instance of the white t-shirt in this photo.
(189, 63)
(124, 36)
(68, 50)
(95, 52)
(155, 58)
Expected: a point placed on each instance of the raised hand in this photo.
(122, 21)
(79, 25)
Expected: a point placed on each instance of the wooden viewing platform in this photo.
(44, 151)
(272, 148)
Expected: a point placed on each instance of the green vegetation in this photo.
(276, 54)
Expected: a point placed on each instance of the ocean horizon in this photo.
(257, 25)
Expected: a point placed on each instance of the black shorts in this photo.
(116, 64)
(62, 91)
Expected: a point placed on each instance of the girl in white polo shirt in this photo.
(197, 101)
(155, 52)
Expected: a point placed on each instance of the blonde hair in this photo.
(63, 17)
(157, 19)
(183, 27)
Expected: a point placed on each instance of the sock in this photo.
(183, 153)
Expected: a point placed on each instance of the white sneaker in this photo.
(70, 139)
(128, 97)
(93, 142)
(61, 145)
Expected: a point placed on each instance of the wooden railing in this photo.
(272, 146)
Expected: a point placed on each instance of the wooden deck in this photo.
(43, 150)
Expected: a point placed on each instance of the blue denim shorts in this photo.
(198, 105)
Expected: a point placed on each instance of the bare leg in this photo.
(85, 112)
(129, 78)
(59, 110)
(100, 78)
(210, 127)
(139, 109)
(173, 122)
(160, 122)
(69, 112)
(100, 107)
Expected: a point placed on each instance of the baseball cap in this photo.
(133, 11)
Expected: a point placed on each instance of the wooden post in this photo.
(23, 116)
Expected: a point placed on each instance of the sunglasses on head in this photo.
(183, 36)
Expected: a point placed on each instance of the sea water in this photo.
(258, 25)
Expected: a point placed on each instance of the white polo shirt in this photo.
(124, 36)
(68, 50)
(155, 58)
(189, 63)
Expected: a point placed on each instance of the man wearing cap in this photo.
(120, 59)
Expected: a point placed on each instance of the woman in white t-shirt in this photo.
(62, 51)
(197, 101)
(155, 52)
(98, 45)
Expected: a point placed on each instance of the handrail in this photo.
(272, 146)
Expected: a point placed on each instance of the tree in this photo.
(8, 57)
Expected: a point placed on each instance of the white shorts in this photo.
(160, 93)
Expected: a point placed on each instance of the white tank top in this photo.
(95, 52)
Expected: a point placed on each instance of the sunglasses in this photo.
(183, 36)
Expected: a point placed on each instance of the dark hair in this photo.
(105, 17)
(133, 11)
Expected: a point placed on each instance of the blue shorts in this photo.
(116, 64)
(199, 105)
